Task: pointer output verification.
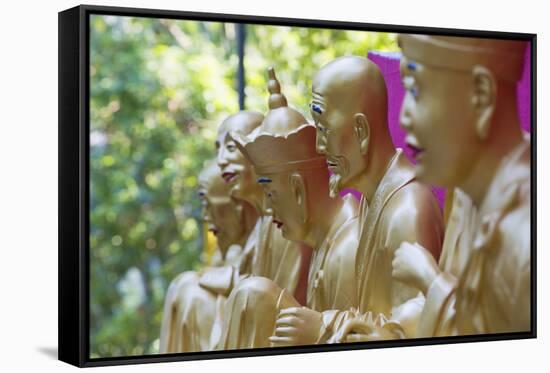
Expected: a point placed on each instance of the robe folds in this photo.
(268, 254)
(195, 302)
(253, 306)
(401, 210)
(485, 281)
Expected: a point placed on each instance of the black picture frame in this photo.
(74, 181)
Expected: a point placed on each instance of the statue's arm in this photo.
(220, 280)
(414, 237)
(171, 310)
(413, 242)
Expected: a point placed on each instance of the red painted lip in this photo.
(228, 176)
(331, 164)
(415, 150)
(278, 223)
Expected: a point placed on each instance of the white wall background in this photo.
(28, 184)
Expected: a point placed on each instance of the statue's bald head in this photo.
(353, 84)
(504, 58)
(242, 122)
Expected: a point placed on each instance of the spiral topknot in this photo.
(276, 98)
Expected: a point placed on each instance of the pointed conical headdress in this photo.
(285, 141)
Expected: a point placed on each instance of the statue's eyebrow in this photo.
(408, 67)
(317, 103)
(264, 180)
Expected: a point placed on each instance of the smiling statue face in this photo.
(439, 118)
(236, 170)
(287, 203)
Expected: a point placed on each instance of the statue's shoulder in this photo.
(346, 241)
(413, 215)
(184, 278)
(416, 194)
(410, 203)
(512, 241)
(505, 215)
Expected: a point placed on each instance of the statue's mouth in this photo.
(332, 164)
(416, 150)
(278, 223)
(228, 177)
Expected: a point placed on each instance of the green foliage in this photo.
(297, 54)
(159, 88)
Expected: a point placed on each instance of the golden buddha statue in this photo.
(194, 299)
(295, 181)
(266, 253)
(460, 113)
(349, 107)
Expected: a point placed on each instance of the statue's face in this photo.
(223, 215)
(439, 117)
(337, 140)
(287, 205)
(236, 169)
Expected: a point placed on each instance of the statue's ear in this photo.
(362, 132)
(298, 188)
(483, 99)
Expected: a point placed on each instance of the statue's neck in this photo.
(325, 216)
(378, 163)
(250, 217)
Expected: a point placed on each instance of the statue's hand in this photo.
(353, 330)
(364, 328)
(297, 326)
(415, 266)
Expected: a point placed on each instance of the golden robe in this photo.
(485, 283)
(192, 305)
(188, 315)
(268, 254)
(401, 210)
(195, 301)
(253, 306)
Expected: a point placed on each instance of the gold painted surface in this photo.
(349, 106)
(190, 308)
(295, 181)
(266, 253)
(376, 271)
(482, 283)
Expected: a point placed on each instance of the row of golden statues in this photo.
(300, 265)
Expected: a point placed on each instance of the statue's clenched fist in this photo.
(297, 326)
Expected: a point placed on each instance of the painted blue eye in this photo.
(316, 108)
(411, 65)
